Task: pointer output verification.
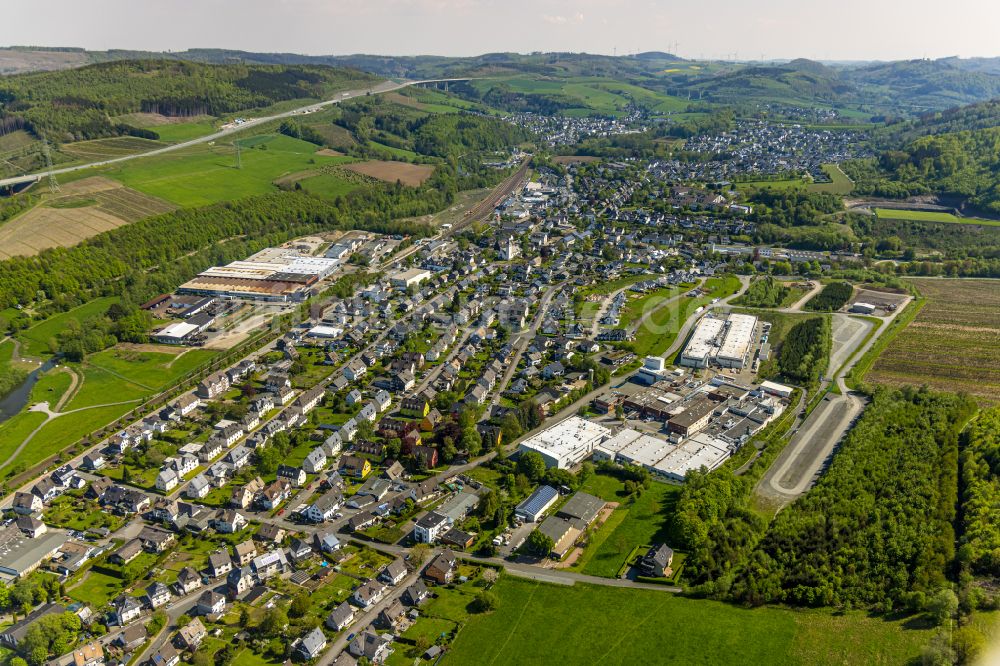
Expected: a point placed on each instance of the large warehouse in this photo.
(701, 347)
(273, 274)
(567, 443)
(724, 342)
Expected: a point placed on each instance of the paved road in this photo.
(814, 440)
(384, 87)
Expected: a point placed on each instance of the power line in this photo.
(53, 183)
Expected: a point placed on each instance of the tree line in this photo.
(805, 351)
(79, 104)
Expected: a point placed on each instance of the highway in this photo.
(384, 87)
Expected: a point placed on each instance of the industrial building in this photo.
(567, 443)
(537, 503)
(406, 279)
(724, 342)
(21, 554)
(702, 345)
(273, 274)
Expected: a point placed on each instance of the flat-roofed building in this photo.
(736, 345)
(697, 452)
(567, 443)
(406, 279)
(609, 448)
(695, 416)
(701, 347)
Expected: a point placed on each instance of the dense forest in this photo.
(432, 135)
(833, 297)
(793, 207)
(877, 529)
(81, 103)
(957, 154)
(980, 549)
(805, 351)
(765, 292)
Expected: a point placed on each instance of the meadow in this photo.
(656, 333)
(943, 347)
(930, 216)
(642, 521)
(35, 340)
(207, 174)
(538, 623)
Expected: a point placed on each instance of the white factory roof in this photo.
(701, 344)
(622, 438)
(736, 344)
(325, 332)
(646, 451)
(178, 330)
(692, 454)
(567, 441)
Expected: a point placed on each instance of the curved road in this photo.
(384, 87)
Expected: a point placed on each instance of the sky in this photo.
(729, 29)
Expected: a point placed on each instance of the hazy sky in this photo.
(749, 29)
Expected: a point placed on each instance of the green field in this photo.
(537, 623)
(327, 185)
(839, 182)
(206, 174)
(657, 333)
(35, 340)
(930, 216)
(643, 521)
(179, 132)
(96, 589)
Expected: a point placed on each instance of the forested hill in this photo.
(924, 84)
(81, 103)
(982, 115)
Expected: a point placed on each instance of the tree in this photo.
(484, 602)
(300, 606)
(967, 643)
(540, 544)
(419, 554)
(532, 465)
(943, 606)
(274, 622)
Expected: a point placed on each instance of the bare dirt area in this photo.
(404, 172)
(329, 152)
(16, 61)
(82, 209)
(574, 159)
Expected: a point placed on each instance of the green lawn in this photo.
(930, 216)
(644, 521)
(96, 589)
(35, 340)
(658, 332)
(179, 132)
(327, 185)
(206, 174)
(14, 430)
(537, 623)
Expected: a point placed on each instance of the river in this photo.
(17, 400)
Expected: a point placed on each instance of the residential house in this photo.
(157, 594)
(311, 645)
(441, 570)
(355, 466)
(415, 593)
(192, 634)
(165, 656)
(126, 608)
(210, 603)
(324, 507)
(393, 573)
(294, 475)
(188, 580)
(369, 593)
(314, 461)
(340, 617)
(392, 616)
(219, 563)
(374, 647)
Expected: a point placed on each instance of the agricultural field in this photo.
(944, 345)
(102, 149)
(839, 182)
(82, 209)
(173, 129)
(603, 625)
(207, 174)
(591, 95)
(930, 216)
(326, 185)
(391, 172)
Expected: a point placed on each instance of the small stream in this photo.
(17, 400)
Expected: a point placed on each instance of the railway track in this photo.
(485, 207)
